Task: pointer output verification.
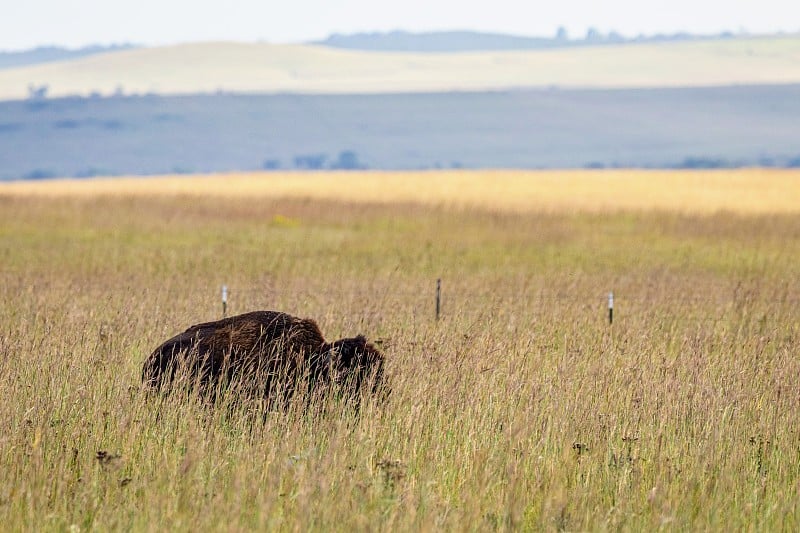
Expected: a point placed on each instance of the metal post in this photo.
(610, 307)
(438, 297)
(224, 300)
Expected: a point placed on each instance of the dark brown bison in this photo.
(263, 353)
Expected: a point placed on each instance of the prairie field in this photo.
(520, 408)
(212, 66)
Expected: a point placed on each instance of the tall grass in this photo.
(520, 409)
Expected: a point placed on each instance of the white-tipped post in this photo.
(610, 307)
(224, 300)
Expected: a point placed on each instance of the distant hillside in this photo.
(695, 127)
(264, 68)
(47, 54)
(470, 41)
(451, 41)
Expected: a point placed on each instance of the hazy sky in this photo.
(28, 23)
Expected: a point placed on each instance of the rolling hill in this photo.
(49, 54)
(215, 67)
(691, 127)
(470, 41)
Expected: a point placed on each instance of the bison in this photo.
(263, 353)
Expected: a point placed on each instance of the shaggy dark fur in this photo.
(265, 353)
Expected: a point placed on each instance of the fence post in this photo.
(438, 297)
(610, 308)
(224, 300)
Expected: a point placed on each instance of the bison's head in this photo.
(355, 363)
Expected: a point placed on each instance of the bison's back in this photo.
(260, 346)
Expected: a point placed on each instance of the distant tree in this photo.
(180, 169)
(271, 164)
(37, 93)
(705, 163)
(561, 34)
(348, 160)
(593, 35)
(615, 37)
(91, 172)
(310, 161)
(39, 174)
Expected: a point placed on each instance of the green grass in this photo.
(520, 409)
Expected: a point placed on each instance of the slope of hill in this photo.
(694, 127)
(48, 54)
(265, 68)
(445, 41)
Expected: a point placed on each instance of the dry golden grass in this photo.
(520, 409)
(747, 191)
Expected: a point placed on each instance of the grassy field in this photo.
(741, 191)
(521, 408)
(208, 67)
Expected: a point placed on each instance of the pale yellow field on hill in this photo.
(747, 191)
(208, 67)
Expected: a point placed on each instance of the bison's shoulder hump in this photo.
(306, 331)
(264, 318)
